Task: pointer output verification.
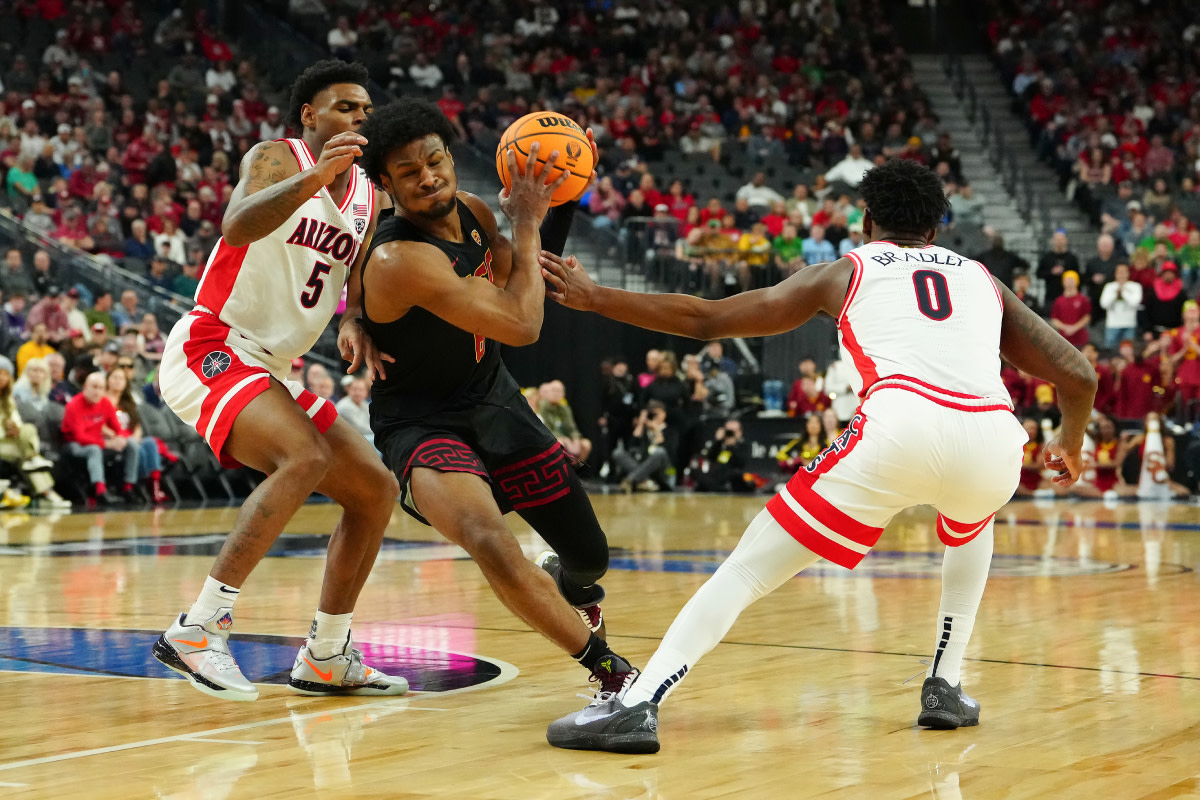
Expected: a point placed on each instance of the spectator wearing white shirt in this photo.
(851, 168)
(220, 78)
(342, 39)
(424, 74)
(1121, 298)
(757, 193)
(272, 127)
(354, 408)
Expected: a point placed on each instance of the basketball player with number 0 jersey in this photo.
(926, 329)
(442, 290)
(296, 229)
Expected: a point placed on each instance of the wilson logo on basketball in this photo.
(573, 151)
(555, 122)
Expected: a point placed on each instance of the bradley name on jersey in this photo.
(326, 239)
(942, 258)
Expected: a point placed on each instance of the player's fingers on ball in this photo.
(510, 156)
(531, 159)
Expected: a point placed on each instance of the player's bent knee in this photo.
(308, 456)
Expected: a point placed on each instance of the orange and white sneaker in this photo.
(200, 653)
(343, 673)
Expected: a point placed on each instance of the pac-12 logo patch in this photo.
(360, 225)
(475, 236)
(215, 363)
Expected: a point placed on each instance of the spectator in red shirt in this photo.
(678, 200)
(713, 210)
(1134, 382)
(1185, 354)
(1104, 376)
(139, 154)
(1072, 312)
(89, 428)
(805, 398)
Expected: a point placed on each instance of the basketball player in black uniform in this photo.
(441, 290)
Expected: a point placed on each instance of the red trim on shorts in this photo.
(838, 449)
(525, 462)
(474, 469)
(832, 517)
(229, 414)
(219, 277)
(942, 401)
(811, 538)
(936, 394)
(208, 335)
(324, 417)
(956, 534)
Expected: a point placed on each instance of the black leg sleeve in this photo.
(570, 527)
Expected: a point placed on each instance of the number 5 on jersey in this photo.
(316, 285)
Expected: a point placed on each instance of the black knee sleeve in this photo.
(569, 525)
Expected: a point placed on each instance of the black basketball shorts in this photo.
(499, 439)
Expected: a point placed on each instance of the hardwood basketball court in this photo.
(1085, 658)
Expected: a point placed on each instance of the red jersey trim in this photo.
(992, 281)
(855, 280)
(222, 273)
(956, 534)
(862, 362)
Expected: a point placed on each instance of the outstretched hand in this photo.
(1067, 463)
(567, 281)
(357, 347)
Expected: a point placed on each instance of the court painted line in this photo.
(185, 737)
(13, 785)
(507, 673)
(228, 741)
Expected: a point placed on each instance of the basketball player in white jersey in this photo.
(925, 328)
(297, 226)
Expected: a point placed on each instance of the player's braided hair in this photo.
(397, 124)
(321, 76)
(904, 197)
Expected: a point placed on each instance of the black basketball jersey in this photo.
(438, 366)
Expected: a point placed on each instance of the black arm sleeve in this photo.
(556, 227)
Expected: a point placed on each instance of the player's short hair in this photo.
(321, 76)
(904, 197)
(397, 124)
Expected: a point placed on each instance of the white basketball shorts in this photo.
(909, 444)
(209, 372)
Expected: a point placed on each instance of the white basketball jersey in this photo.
(281, 291)
(924, 319)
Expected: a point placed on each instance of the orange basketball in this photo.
(555, 132)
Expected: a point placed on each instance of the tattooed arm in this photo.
(1030, 344)
(271, 186)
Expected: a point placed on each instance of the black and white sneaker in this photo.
(607, 724)
(589, 610)
(946, 707)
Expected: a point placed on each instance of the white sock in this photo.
(764, 559)
(215, 595)
(964, 576)
(328, 634)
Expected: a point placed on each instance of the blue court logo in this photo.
(264, 659)
(215, 363)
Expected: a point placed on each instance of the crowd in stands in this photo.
(731, 137)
